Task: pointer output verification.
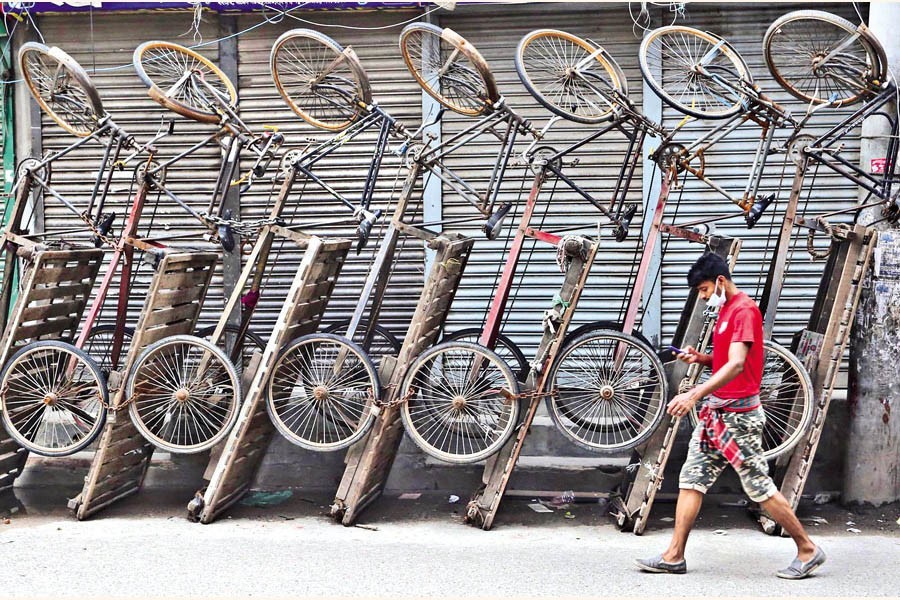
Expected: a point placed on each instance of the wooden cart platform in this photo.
(248, 441)
(174, 301)
(369, 461)
(51, 302)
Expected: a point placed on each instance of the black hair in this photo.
(708, 268)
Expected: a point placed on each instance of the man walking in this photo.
(731, 422)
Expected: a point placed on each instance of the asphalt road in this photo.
(145, 549)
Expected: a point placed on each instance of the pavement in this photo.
(286, 546)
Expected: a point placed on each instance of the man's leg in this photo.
(686, 510)
(778, 508)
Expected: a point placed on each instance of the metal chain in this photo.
(242, 227)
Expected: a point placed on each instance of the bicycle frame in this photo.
(506, 126)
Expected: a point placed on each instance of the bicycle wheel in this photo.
(384, 343)
(323, 84)
(569, 76)
(609, 391)
(817, 57)
(694, 72)
(251, 343)
(786, 397)
(54, 398)
(456, 409)
(61, 88)
(183, 81)
(99, 345)
(322, 392)
(183, 394)
(449, 68)
(504, 347)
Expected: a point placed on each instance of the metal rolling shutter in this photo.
(729, 164)
(105, 51)
(497, 38)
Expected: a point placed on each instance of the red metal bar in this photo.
(646, 258)
(498, 304)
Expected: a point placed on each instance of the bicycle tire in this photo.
(720, 57)
(775, 443)
(202, 405)
(860, 71)
(562, 66)
(79, 109)
(446, 432)
(159, 65)
(504, 347)
(256, 342)
(615, 416)
(349, 86)
(102, 353)
(85, 399)
(384, 343)
(346, 410)
(471, 87)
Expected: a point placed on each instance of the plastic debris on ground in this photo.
(667, 519)
(563, 500)
(410, 496)
(853, 530)
(825, 497)
(720, 532)
(539, 508)
(266, 499)
(453, 499)
(735, 504)
(569, 515)
(815, 520)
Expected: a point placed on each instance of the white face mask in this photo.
(717, 299)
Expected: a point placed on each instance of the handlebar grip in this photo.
(491, 227)
(226, 234)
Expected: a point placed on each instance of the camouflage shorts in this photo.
(701, 469)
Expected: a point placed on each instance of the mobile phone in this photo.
(676, 350)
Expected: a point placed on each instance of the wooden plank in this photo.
(173, 280)
(176, 297)
(51, 326)
(47, 275)
(57, 309)
(170, 314)
(76, 290)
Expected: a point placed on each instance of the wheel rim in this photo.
(456, 409)
(800, 54)
(321, 392)
(319, 82)
(449, 75)
(608, 392)
(179, 74)
(52, 400)
(561, 73)
(675, 52)
(63, 94)
(183, 395)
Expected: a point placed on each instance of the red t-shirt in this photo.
(739, 321)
